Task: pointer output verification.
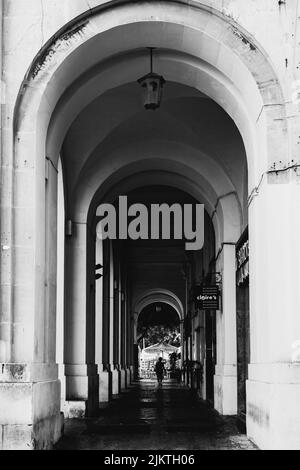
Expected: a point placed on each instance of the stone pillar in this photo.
(121, 332)
(202, 352)
(273, 388)
(100, 288)
(128, 338)
(225, 380)
(82, 380)
(60, 284)
(113, 326)
(103, 323)
(125, 335)
(132, 339)
(30, 415)
(135, 349)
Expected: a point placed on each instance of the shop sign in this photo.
(207, 297)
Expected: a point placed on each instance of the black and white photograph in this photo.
(150, 228)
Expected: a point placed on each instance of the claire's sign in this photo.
(207, 297)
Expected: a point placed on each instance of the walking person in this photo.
(160, 371)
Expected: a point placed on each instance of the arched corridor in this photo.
(82, 148)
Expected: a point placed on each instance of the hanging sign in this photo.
(207, 297)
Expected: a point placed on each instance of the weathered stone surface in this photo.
(16, 404)
(17, 437)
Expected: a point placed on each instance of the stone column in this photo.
(121, 332)
(202, 340)
(81, 376)
(225, 380)
(113, 326)
(125, 332)
(135, 349)
(103, 324)
(60, 298)
(100, 326)
(132, 342)
(30, 415)
(273, 388)
(129, 338)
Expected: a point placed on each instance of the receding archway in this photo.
(159, 335)
(159, 296)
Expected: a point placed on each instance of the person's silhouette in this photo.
(160, 370)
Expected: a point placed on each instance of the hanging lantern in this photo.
(152, 85)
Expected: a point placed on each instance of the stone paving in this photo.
(148, 418)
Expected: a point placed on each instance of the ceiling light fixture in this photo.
(152, 85)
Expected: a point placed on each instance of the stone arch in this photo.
(161, 296)
(239, 78)
(153, 296)
(38, 95)
(220, 199)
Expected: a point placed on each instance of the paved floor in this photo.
(148, 418)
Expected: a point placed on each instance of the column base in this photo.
(105, 387)
(116, 379)
(82, 386)
(75, 409)
(225, 390)
(43, 435)
(62, 378)
(30, 417)
(128, 377)
(123, 380)
(273, 411)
